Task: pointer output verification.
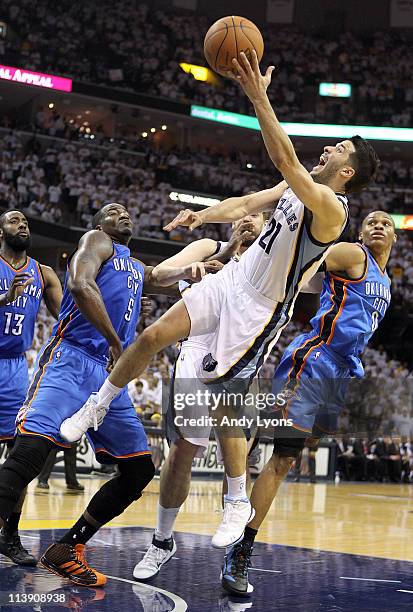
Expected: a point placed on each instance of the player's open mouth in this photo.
(377, 235)
(23, 234)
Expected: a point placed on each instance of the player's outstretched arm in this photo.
(320, 199)
(347, 257)
(196, 251)
(95, 248)
(164, 275)
(52, 293)
(230, 209)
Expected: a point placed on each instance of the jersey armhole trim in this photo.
(354, 280)
(308, 219)
(39, 267)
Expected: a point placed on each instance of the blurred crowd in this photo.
(129, 46)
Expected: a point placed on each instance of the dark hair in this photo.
(365, 162)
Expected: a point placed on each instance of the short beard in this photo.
(17, 243)
(325, 176)
(248, 243)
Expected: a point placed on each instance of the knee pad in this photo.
(23, 464)
(288, 447)
(119, 492)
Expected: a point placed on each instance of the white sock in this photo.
(166, 520)
(237, 487)
(107, 393)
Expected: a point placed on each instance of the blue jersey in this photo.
(120, 281)
(17, 320)
(351, 310)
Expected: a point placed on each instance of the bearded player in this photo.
(23, 284)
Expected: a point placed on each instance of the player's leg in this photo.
(175, 482)
(120, 439)
(67, 556)
(13, 387)
(23, 464)
(43, 479)
(174, 325)
(238, 558)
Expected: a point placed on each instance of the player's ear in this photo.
(394, 239)
(347, 172)
(361, 236)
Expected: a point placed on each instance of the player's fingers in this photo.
(194, 224)
(241, 72)
(246, 64)
(175, 222)
(269, 72)
(254, 62)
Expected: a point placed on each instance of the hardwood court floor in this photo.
(362, 519)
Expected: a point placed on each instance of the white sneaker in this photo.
(90, 415)
(237, 514)
(158, 553)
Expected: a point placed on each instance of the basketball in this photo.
(225, 40)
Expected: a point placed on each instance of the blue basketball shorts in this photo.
(65, 377)
(311, 382)
(14, 382)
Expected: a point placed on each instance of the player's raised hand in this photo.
(18, 285)
(247, 74)
(186, 218)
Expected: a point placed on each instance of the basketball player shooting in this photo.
(247, 306)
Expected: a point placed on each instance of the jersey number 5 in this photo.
(271, 234)
(14, 324)
(129, 310)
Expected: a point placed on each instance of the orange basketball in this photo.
(226, 38)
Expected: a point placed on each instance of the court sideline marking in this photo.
(180, 604)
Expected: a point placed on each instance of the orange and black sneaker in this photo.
(70, 562)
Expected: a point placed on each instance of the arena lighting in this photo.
(153, 130)
(200, 73)
(51, 105)
(144, 134)
(335, 90)
(192, 198)
(28, 77)
(404, 222)
(164, 127)
(312, 130)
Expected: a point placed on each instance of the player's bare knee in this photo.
(181, 455)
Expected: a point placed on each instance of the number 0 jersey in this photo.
(120, 282)
(350, 311)
(17, 319)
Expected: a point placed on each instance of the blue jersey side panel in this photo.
(17, 319)
(120, 281)
(350, 311)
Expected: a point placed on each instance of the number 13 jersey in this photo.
(120, 282)
(17, 319)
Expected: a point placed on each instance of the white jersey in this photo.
(245, 306)
(285, 256)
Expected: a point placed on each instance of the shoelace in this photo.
(242, 561)
(79, 557)
(230, 508)
(154, 555)
(90, 410)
